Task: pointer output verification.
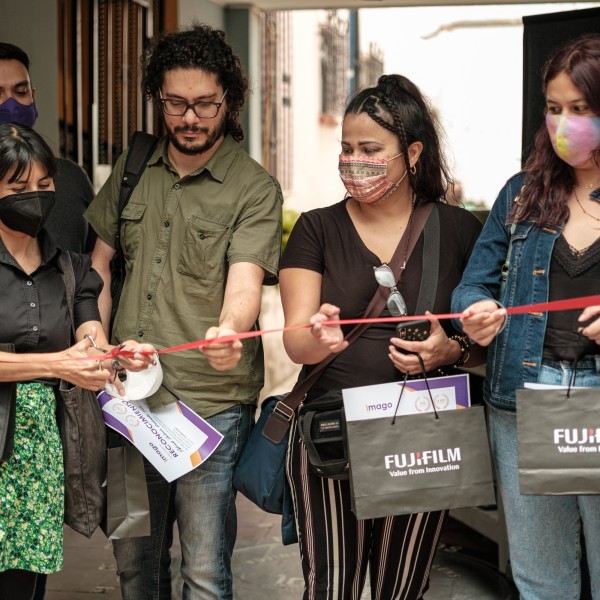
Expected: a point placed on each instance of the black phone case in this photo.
(413, 331)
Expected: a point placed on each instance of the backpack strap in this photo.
(141, 147)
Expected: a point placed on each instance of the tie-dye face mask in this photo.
(574, 138)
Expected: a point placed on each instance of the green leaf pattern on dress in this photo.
(31, 486)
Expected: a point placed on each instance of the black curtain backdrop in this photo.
(541, 37)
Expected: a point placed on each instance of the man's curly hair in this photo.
(199, 47)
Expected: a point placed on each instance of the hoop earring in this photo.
(413, 170)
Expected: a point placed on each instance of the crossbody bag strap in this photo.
(431, 263)
(279, 421)
(8, 407)
(68, 276)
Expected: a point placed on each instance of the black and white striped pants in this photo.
(336, 548)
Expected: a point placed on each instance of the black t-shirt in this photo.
(325, 240)
(66, 223)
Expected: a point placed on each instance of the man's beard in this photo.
(196, 148)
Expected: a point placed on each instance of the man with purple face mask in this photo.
(74, 191)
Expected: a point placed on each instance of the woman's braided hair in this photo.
(398, 105)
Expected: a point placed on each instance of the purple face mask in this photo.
(12, 111)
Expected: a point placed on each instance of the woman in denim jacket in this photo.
(549, 217)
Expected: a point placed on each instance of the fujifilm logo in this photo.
(403, 461)
(585, 439)
(577, 436)
(418, 463)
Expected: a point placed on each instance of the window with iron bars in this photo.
(277, 114)
(371, 66)
(335, 64)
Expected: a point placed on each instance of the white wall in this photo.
(316, 147)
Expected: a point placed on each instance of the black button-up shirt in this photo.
(33, 308)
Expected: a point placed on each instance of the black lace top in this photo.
(573, 273)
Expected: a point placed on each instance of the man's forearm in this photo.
(242, 313)
(105, 298)
(105, 307)
(241, 304)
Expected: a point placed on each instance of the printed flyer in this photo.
(376, 401)
(173, 438)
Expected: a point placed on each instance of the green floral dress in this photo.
(31, 486)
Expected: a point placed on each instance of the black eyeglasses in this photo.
(202, 109)
(395, 302)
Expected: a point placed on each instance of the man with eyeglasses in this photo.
(201, 234)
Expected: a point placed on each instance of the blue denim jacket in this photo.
(515, 354)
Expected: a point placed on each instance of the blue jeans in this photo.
(544, 531)
(203, 503)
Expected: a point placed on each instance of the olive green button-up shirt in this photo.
(179, 236)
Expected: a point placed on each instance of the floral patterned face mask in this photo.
(365, 178)
(573, 138)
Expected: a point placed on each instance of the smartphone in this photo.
(413, 331)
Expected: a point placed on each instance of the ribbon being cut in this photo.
(176, 440)
(556, 305)
(158, 434)
(570, 304)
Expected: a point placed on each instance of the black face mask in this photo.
(26, 212)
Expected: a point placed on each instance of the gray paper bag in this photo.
(559, 441)
(419, 463)
(127, 504)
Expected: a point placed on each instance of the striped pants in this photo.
(336, 548)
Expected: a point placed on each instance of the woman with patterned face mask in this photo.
(34, 320)
(391, 165)
(552, 212)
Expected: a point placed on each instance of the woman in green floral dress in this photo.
(34, 320)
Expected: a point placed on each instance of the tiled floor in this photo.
(265, 568)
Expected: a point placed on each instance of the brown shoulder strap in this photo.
(279, 421)
(65, 264)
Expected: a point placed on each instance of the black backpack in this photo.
(141, 147)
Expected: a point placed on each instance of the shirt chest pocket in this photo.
(131, 228)
(519, 239)
(204, 249)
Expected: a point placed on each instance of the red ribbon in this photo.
(570, 304)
